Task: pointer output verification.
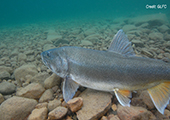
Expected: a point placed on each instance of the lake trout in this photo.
(116, 70)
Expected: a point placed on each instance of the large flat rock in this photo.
(95, 104)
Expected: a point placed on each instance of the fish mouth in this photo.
(44, 60)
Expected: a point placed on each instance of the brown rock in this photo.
(115, 117)
(69, 118)
(1, 98)
(41, 105)
(16, 108)
(52, 81)
(114, 107)
(53, 104)
(47, 96)
(134, 113)
(38, 114)
(146, 99)
(95, 104)
(104, 118)
(57, 113)
(75, 104)
(33, 90)
(167, 113)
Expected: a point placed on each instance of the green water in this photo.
(34, 11)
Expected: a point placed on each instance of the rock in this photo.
(62, 41)
(128, 27)
(113, 117)
(4, 75)
(104, 118)
(52, 81)
(38, 114)
(29, 52)
(163, 28)
(114, 107)
(16, 108)
(41, 105)
(8, 69)
(40, 78)
(33, 90)
(86, 42)
(75, 104)
(136, 101)
(48, 46)
(22, 57)
(7, 88)
(138, 43)
(167, 37)
(57, 113)
(24, 70)
(134, 113)
(93, 37)
(90, 31)
(53, 104)
(167, 113)
(14, 52)
(167, 44)
(151, 19)
(53, 37)
(147, 53)
(1, 98)
(95, 104)
(160, 116)
(157, 36)
(146, 99)
(47, 96)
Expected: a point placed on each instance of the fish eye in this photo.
(48, 54)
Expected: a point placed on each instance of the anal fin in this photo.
(69, 88)
(160, 95)
(123, 97)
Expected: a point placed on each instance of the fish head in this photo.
(55, 60)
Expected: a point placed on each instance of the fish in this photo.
(117, 70)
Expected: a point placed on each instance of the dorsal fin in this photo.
(121, 44)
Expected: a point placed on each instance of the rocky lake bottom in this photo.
(29, 90)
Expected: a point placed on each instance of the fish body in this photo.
(117, 69)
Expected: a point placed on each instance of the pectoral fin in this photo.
(160, 95)
(122, 96)
(69, 88)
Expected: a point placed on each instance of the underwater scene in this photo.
(85, 60)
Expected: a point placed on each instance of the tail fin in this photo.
(160, 96)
